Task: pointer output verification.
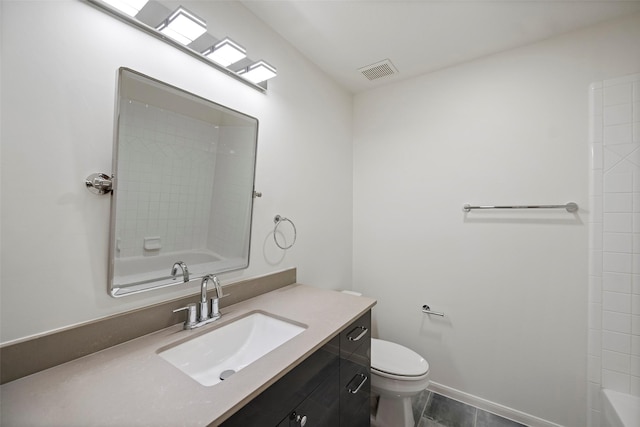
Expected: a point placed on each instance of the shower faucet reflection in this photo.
(183, 267)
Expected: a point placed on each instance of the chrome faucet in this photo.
(206, 316)
(204, 304)
(215, 306)
(183, 267)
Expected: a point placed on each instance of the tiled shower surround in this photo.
(184, 157)
(614, 240)
(153, 156)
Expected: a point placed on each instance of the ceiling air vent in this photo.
(378, 70)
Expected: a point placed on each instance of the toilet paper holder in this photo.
(426, 309)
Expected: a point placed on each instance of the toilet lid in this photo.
(395, 359)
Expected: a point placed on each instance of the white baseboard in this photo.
(494, 408)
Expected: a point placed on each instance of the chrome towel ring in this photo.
(279, 220)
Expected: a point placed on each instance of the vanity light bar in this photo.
(226, 52)
(258, 72)
(180, 29)
(130, 7)
(183, 26)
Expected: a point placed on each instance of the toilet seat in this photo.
(394, 361)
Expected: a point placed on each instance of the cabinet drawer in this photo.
(354, 335)
(355, 390)
(355, 373)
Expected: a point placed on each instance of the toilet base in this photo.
(393, 412)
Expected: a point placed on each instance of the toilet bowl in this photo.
(397, 374)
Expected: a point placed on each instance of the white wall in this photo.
(59, 62)
(507, 129)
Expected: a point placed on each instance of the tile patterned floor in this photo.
(434, 410)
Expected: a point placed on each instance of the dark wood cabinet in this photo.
(328, 389)
(320, 408)
(355, 373)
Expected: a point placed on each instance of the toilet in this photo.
(397, 374)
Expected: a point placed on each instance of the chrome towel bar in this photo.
(570, 207)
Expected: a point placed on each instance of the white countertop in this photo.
(130, 385)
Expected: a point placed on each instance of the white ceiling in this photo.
(420, 36)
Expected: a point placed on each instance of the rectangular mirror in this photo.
(183, 186)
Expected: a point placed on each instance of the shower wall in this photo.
(614, 279)
(152, 157)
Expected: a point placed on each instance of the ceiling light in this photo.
(258, 72)
(183, 26)
(130, 7)
(226, 52)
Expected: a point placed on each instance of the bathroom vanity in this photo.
(321, 374)
(330, 388)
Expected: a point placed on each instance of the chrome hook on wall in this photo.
(427, 310)
(99, 183)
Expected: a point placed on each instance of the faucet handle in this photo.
(192, 315)
(215, 308)
(215, 305)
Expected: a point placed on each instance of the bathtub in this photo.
(135, 274)
(620, 409)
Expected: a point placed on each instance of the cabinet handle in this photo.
(300, 419)
(362, 334)
(357, 389)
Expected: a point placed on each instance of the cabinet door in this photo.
(320, 409)
(274, 405)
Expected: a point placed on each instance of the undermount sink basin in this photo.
(224, 351)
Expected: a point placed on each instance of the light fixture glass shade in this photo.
(226, 52)
(258, 72)
(183, 26)
(130, 7)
